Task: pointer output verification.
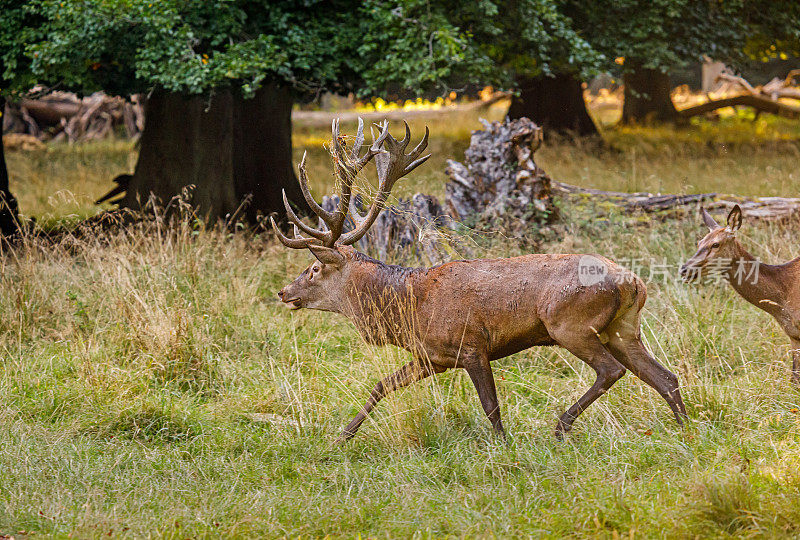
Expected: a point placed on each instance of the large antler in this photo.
(392, 164)
(347, 168)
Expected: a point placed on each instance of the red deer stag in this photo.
(773, 288)
(464, 314)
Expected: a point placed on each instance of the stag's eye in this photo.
(715, 245)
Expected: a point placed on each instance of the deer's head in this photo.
(719, 245)
(323, 285)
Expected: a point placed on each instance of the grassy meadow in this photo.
(152, 385)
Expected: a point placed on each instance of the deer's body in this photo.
(464, 314)
(774, 288)
(777, 291)
(497, 306)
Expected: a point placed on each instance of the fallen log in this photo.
(750, 100)
(762, 98)
(63, 116)
(646, 202)
(765, 208)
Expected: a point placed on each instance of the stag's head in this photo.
(323, 284)
(718, 245)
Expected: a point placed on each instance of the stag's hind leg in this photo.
(589, 349)
(480, 371)
(626, 345)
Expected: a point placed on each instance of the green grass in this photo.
(132, 367)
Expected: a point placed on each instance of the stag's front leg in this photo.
(412, 372)
(796, 362)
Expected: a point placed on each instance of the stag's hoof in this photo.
(343, 437)
(561, 430)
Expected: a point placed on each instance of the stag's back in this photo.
(514, 303)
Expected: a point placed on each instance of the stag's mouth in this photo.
(293, 303)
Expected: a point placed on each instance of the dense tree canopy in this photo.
(226, 72)
(655, 36)
(195, 46)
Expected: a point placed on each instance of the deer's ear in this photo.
(327, 255)
(708, 220)
(735, 219)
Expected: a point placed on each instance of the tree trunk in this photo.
(9, 222)
(227, 147)
(647, 97)
(554, 103)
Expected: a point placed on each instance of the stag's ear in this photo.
(327, 255)
(708, 220)
(735, 219)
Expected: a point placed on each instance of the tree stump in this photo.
(500, 186)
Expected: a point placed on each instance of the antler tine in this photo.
(423, 144)
(347, 168)
(296, 242)
(318, 234)
(359, 142)
(392, 164)
(303, 180)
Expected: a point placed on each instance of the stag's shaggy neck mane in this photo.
(381, 300)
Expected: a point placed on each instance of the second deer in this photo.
(773, 288)
(465, 314)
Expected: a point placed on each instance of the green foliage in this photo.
(195, 46)
(530, 38)
(663, 34)
(422, 44)
(192, 46)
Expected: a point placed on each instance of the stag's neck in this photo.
(764, 285)
(380, 300)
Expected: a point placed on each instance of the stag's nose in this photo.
(281, 293)
(683, 270)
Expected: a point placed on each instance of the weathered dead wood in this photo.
(767, 208)
(750, 100)
(646, 202)
(500, 186)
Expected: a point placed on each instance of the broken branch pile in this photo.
(65, 116)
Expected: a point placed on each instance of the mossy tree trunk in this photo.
(554, 103)
(647, 97)
(227, 147)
